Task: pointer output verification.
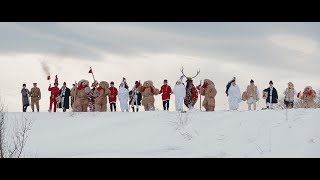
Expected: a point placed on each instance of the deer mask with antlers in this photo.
(188, 78)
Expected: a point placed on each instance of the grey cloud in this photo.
(240, 42)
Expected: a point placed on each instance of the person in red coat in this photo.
(113, 97)
(166, 92)
(53, 97)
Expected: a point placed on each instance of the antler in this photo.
(198, 72)
(182, 72)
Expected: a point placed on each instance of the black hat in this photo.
(251, 81)
(24, 85)
(270, 82)
(111, 82)
(136, 82)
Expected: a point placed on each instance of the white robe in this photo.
(234, 97)
(180, 92)
(123, 95)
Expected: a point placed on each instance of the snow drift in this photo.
(227, 134)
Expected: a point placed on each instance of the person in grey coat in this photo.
(25, 97)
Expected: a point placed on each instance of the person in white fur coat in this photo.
(179, 91)
(234, 96)
(123, 95)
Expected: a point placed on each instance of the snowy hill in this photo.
(171, 134)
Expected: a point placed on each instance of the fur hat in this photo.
(104, 84)
(290, 83)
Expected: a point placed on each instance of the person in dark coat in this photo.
(64, 96)
(25, 97)
(272, 97)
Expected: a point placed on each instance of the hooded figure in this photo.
(191, 94)
(209, 92)
(289, 94)
(25, 97)
(308, 97)
(148, 91)
(234, 96)
(123, 96)
(101, 94)
(179, 90)
(81, 96)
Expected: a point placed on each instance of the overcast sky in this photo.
(276, 51)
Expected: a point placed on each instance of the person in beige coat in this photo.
(72, 94)
(148, 91)
(81, 96)
(308, 97)
(209, 92)
(35, 94)
(252, 95)
(101, 94)
(289, 94)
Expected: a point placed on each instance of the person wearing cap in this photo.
(166, 92)
(64, 95)
(289, 94)
(234, 95)
(179, 90)
(252, 95)
(25, 97)
(272, 96)
(53, 97)
(35, 94)
(113, 97)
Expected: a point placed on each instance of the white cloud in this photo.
(295, 42)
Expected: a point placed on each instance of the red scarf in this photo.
(80, 87)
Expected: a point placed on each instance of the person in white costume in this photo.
(179, 91)
(123, 95)
(234, 96)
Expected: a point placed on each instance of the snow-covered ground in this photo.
(225, 134)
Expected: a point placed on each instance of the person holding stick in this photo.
(209, 92)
